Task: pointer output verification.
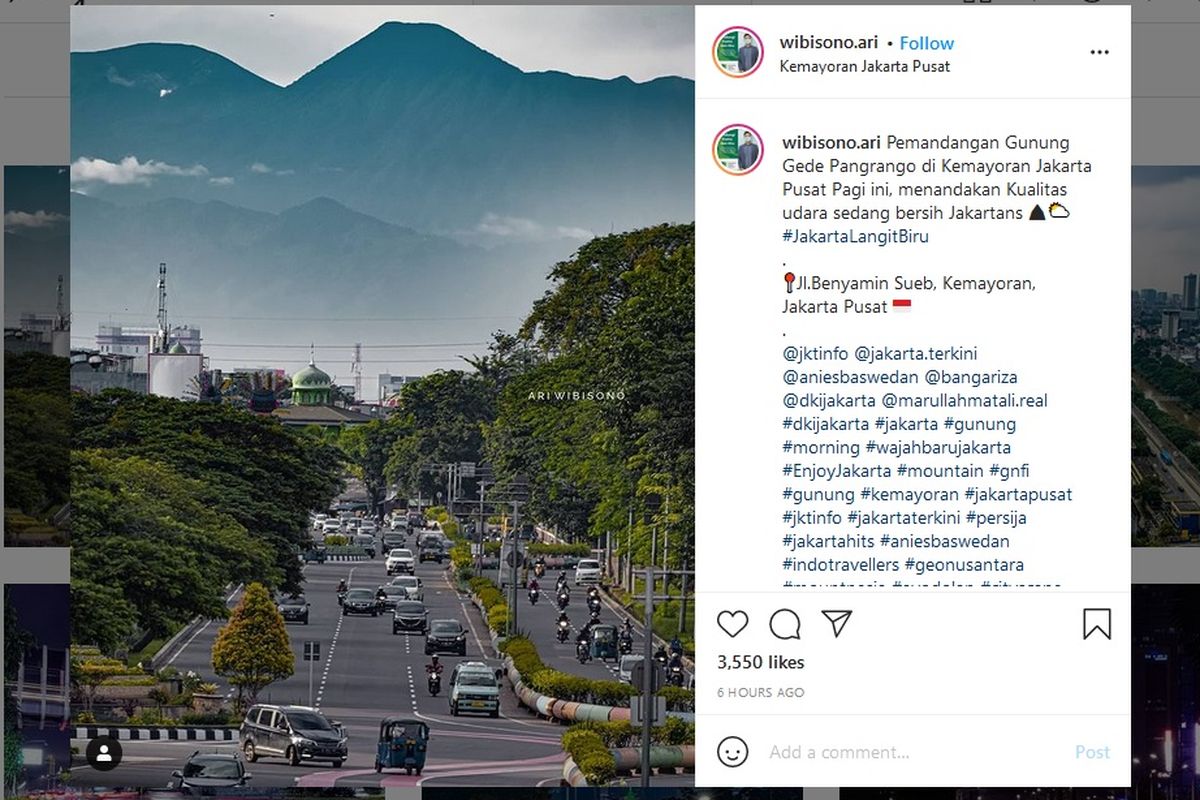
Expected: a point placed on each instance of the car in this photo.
(416, 520)
(446, 636)
(318, 521)
(360, 601)
(474, 686)
(367, 542)
(625, 667)
(400, 560)
(367, 526)
(410, 616)
(392, 540)
(398, 522)
(331, 526)
(412, 584)
(204, 773)
(587, 572)
(431, 550)
(391, 596)
(297, 733)
(294, 608)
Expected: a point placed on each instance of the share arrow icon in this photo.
(838, 620)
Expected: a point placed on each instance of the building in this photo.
(312, 402)
(93, 372)
(390, 385)
(135, 340)
(1191, 283)
(1169, 329)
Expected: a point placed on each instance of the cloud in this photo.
(18, 221)
(115, 77)
(222, 181)
(164, 92)
(518, 228)
(263, 169)
(128, 171)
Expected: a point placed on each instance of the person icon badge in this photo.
(103, 753)
(737, 52)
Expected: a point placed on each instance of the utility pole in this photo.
(647, 677)
(516, 542)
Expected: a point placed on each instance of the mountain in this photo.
(411, 124)
(317, 264)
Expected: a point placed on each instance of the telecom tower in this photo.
(159, 345)
(356, 371)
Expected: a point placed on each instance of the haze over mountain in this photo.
(412, 124)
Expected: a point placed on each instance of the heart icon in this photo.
(732, 622)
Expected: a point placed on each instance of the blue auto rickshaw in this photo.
(604, 642)
(402, 744)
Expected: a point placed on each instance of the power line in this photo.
(302, 319)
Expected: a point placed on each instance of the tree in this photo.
(16, 641)
(253, 650)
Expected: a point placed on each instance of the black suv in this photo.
(294, 608)
(297, 733)
(446, 636)
(410, 616)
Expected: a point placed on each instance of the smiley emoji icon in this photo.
(733, 751)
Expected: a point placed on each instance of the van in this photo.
(296, 733)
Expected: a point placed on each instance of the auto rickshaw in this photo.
(315, 555)
(604, 642)
(402, 743)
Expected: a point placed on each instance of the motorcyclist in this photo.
(562, 580)
(660, 654)
(628, 626)
(533, 585)
(341, 585)
(676, 646)
(434, 667)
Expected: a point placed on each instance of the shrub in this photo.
(498, 618)
(85, 718)
(591, 755)
(336, 540)
(214, 718)
(547, 549)
(151, 718)
(678, 698)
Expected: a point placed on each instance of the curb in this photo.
(155, 733)
(572, 775)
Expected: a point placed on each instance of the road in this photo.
(368, 673)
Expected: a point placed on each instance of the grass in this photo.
(146, 652)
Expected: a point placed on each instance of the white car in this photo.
(398, 523)
(400, 560)
(625, 668)
(331, 526)
(587, 572)
(367, 526)
(318, 521)
(412, 584)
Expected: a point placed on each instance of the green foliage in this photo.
(590, 754)
(498, 619)
(253, 649)
(558, 549)
(37, 441)
(246, 467)
(141, 528)
(223, 717)
(619, 321)
(336, 540)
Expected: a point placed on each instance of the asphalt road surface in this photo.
(367, 673)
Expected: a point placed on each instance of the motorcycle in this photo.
(675, 674)
(594, 604)
(564, 630)
(563, 599)
(435, 683)
(625, 643)
(533, 597)
(341, 596)
(582, 652)
(660, 656)
(539, 570)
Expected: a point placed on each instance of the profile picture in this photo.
(737, 52)
(738, 149)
